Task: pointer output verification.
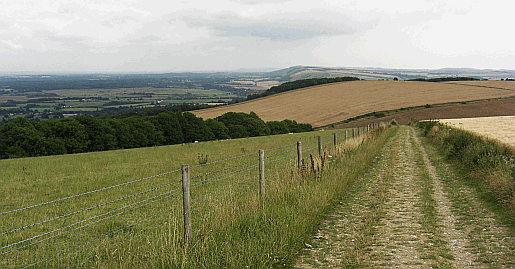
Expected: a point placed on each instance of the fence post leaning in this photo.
(320, 145)
(186, 203)
(299, 154)
(262, 174)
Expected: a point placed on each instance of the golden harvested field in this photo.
(492, 83)
(501, 128)
(326, 104)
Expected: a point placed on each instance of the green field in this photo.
(140, 223)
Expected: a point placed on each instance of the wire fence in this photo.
(100, 224)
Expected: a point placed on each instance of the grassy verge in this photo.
(140, 224)
(270, 233)
(488, 165)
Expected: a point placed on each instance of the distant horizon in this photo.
(238, 70)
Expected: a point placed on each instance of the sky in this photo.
(212, 35)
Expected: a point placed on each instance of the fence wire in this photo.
(224, 160)
(89, 208)
(72, 243)
(89, 192)
(82, 221)
(220, 177)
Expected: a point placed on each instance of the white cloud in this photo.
(278, 26)
(11, 44)
(201, 34)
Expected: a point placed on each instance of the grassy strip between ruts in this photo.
(487, 165)
(266, 234)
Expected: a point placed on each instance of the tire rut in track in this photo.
(399, 215)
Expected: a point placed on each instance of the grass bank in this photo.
(126, 218)
(270, 233)
(488, 165)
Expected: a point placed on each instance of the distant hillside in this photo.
(299, 84)
(306, 72)
(336, 102)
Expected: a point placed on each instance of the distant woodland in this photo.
(445, 79)
(23, 138)
(298, 84)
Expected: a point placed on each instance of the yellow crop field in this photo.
(501, 128)
(330, 103)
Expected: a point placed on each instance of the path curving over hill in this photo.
(410, 211)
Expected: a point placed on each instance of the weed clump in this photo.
(202, 158)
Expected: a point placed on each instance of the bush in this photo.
(427, 126)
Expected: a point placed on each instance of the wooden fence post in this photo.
(262, 174)
(186, 203)
(346, 135)
(320, 145)
(299, 154)
(335, 140)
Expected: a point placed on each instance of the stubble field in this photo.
(326, 104)
(501, 128)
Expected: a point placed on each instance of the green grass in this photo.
(461, 184)
(486, 164)
(228, 215)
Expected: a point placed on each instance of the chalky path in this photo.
(410, 211)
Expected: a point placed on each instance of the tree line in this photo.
(303, 83)
(445, 79)
(23, 138)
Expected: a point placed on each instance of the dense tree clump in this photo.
(303, 83)
(23, 138)
(445, 79)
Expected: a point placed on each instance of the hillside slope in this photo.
(326, 104)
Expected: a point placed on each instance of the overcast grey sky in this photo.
(158, 36)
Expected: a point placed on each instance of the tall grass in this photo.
(270, 233)
(232, 226)
(487, 163)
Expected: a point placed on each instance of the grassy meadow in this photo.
(124, 208)
(336, 102)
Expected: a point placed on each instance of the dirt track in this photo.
(410, 211)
